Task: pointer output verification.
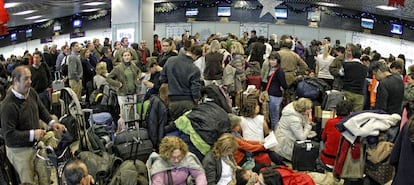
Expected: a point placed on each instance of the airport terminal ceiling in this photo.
(26, 12)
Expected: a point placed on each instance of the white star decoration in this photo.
(269, 7)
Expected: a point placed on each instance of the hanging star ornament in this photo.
(269, 7)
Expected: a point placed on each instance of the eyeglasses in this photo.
(176, 158)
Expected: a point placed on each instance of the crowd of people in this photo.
(183, 67)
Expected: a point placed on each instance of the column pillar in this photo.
(148, 23)
(133, 19)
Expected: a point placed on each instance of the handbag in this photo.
(381, 172)
(58, 83)
(380, 152)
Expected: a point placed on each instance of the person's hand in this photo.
(59, 128)
(87, 180)
(39, 133)
(148, 83)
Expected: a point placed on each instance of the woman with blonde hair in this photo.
(99, 82)
(219, 163)
(294, 125)
(236, 49)
(322, 63)
(174, 164)
(100, 78)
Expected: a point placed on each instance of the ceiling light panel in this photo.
(11, 5)
(91, 10)
(385, 7)
(94, 3)
(328, 4)
(33, 17)
(41, 20)
(25, 12)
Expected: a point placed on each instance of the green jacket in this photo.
(117, 77)
(184, 125)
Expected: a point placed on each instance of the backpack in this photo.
(65, 66)
(93, 141)
(70, 123)
(305, 89)
(101, 166)
(131, 173)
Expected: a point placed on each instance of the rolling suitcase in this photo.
(304, 155)
(135, 138)
(127, 136)
(142, 148)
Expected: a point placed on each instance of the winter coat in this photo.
(189, 165)
(213, 168)
(402, 158)
(366, 124)
(117, 77)
(293, 126)
(184, 125)
(210, 121)
(157, 118)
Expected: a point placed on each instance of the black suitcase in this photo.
(134, 150)
(304, 155)
(127, 136)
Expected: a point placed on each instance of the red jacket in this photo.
(331, 137)
(245, 145)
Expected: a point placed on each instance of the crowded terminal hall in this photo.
(206, 92)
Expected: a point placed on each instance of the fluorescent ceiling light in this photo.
(10, 5)
(385, 7)
(94, 3)
(25, 12)
(328, 4)
(41, 20)
(33, 17)
(91, 10)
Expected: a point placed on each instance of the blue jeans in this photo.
(274, 109)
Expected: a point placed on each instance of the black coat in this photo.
(157, 118)
(210, 121)
(402, 157)
(213, 167)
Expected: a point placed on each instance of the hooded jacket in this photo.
(293, 126)
(189, 164)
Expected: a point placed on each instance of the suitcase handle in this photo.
(57, 75)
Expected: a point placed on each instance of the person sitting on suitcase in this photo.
(174, 164)
(331, 136)
(294, 125)
(76, 173)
